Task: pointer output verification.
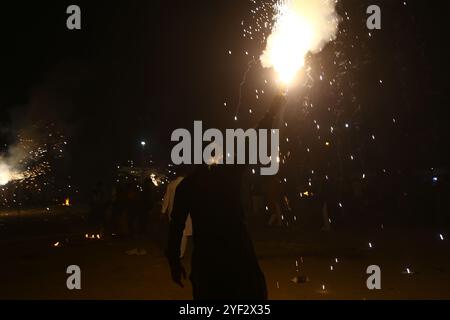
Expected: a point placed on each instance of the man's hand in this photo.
(178, 273)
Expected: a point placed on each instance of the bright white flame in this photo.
(301, 26)
(7, 174)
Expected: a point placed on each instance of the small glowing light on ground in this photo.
(408, 271)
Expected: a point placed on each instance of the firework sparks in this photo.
(8, 174)
(27, 163)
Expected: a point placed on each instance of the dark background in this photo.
(139, 69)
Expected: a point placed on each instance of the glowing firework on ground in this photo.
(66, 202)
(301, 26)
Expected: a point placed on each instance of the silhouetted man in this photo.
(224, 263)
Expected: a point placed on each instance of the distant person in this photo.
(146, 203)
(132, 207)
(274, 197)
(120, 209)
(138, 204)
(224, 264)
(167, 207)
(98, 206)
(325, 199)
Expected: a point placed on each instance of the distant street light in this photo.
(143, 143)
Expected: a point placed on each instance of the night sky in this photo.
(140, 69)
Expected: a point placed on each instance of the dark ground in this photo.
(32, 267)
